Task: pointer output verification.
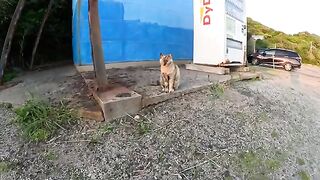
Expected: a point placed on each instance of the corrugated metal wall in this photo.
(135, 30)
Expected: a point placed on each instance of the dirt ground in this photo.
(265, 129)
(145, 81)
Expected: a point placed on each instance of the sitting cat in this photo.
(170, 74)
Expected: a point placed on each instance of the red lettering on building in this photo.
(207, 17)
(206, 20)
(208, 9)
(206, 2)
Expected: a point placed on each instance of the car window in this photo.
(293, 54)
(280, 53)
(270, 53)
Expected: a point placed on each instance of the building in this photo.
(139, 30)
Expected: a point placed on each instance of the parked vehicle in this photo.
(250, 56)
(277, 57)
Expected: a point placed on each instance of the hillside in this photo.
(307, 44)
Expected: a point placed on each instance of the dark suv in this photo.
(277, 57)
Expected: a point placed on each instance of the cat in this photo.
(170, 74)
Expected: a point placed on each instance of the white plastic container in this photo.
(220, 32)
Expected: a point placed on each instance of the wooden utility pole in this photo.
(96, 44)
(8, 41)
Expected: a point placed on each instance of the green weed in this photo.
(217, 90)
(9, 75)
(143, 128)
(50, 156)
(274, 135)
(304, 175)
(97, 136)
(273, 164)
(300, 161)
(39, 120)
(4, 167)
(250, 160)
(256, 165)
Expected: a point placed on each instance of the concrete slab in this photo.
(142, 87)
(240, 69)
(242, 76)
(208, 69)
(118, 102)
(46, 84)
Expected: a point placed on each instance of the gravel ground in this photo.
(256, 130)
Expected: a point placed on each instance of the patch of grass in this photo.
(259, 176)
(96, 137)
(304, 175)
(274, 134)
(242, 116)
(300, 161)
(273, 164)
(143, 128)
(256, 165)
(107, 129)
(9, 75)
(4, 167)
(50, 156)
(217, 90)
(39, 120)
(250, 161)
(263, 117)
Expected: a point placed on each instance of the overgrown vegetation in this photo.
(9, 75)
(305, 43)
(56, 31)
(39, 120)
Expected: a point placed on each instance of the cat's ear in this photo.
(170, 56)
(161, 55)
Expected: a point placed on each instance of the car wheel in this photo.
(288, 67)
(255, 62)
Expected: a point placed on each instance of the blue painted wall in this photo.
(135, 30)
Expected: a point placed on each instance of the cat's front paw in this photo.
(171, 90)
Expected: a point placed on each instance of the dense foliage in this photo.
(306, 44)
(57, 31)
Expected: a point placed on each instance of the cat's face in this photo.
(166, 60)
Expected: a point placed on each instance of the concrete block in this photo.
(208, 69)
(91, 114)
(249, 76)
(156, 99)
(240, 69)
(118, 102)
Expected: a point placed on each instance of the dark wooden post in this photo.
(96, 44)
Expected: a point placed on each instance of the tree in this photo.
(8, 41)
(44, 20)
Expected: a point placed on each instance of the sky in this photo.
(289, 16)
